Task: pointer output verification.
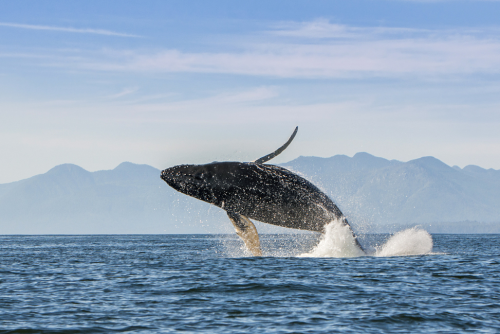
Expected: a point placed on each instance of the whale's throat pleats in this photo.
(247, 231)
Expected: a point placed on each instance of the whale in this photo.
(263, 192)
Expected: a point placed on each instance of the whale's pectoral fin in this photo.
(278, 151)
(247, 231)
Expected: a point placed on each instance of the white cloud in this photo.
(67, 29)
(124, 92)
(458, 55)
(322, 28)
(316, 49)
(320, 49)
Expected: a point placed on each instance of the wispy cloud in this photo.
(323, 29)
(319, 49)
(124, 92)
(228, 100)
(349, 58)
(67, 29)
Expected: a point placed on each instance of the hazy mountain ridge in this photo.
(68, 198)
(373, 192)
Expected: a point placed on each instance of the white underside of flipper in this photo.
(247, 231)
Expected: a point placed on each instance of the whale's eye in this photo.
(203, 176)
(199, 176)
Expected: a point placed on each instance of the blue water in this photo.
(205, 283)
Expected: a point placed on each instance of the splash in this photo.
(337, 241)
(413, 241)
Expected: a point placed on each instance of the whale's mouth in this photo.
(175, 177)
(181, 171)
(191, 180)
(167, 175)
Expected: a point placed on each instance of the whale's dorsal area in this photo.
(278, 151)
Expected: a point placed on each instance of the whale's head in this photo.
(209, 183)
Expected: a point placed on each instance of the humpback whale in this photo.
(263, 192)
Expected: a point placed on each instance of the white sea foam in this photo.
(338, 241)
(413, 241)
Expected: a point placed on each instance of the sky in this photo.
(96, 83)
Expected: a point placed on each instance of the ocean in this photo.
(410, 283)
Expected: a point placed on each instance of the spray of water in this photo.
(338, 241)
(412, 241)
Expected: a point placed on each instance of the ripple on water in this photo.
(152, 284)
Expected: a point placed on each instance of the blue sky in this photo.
(161, 82)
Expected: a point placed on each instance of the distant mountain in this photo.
(376, 194)
(68, 199)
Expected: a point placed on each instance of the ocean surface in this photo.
(410, 283)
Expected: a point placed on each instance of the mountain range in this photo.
(377, 195)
